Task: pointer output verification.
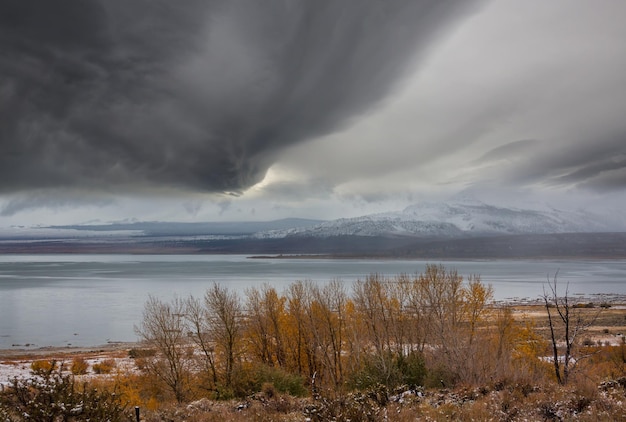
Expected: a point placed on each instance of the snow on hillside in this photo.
(454, 219)
(462, 216)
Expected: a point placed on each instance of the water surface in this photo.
(87, 300)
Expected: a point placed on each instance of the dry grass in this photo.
(518, 402)
(609, 324)
(588, 397)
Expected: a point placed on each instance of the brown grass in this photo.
(596, 391)
(518, 402)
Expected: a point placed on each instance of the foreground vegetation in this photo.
(432, 346)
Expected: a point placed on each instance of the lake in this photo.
(88, 300)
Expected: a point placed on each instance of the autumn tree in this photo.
(476, 297)
(298, 344)
(266, 317)
(326, 323)
(380, 318)
(385, 332)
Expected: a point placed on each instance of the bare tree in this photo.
(450, 312)
(225, 325)
(504, 333)
(163, 327)
(198, 319)
(573, 323)
(379, 305)
(442, 295)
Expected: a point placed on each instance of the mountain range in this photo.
(459, 228)
(453, 220)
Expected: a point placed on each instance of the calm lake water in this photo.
(88, 300)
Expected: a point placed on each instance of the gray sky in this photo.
(241, 110)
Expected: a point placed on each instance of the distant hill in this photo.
(464, 229)
(467, 218)
(157, 228)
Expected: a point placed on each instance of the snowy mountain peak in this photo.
(464, 216)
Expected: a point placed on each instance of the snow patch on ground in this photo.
(21, 368)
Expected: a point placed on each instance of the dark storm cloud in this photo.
(299, 190)
(199, 95)
(35, 200)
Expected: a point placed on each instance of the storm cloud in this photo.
(198, 95)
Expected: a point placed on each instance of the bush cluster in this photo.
(50, 395)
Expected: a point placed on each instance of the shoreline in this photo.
(50, 351)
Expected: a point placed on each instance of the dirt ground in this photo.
(64, 352)
(17, 362)
(605, 325)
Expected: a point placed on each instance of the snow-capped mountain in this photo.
(458, 218)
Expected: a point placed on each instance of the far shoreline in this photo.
(51, 351)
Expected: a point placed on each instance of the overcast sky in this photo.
(255, 110)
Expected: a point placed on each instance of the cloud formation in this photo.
(235, 109)
(523, 95)
(118, 95)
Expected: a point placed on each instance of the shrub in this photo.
(104, 367)
(43, 365)
(51, 396)
(283, 381)
(79, 366)
(141, 353)
(438, 377)
(253, 381)
(412, 369)
(139, 390)
(268, 390)
(390, 370)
